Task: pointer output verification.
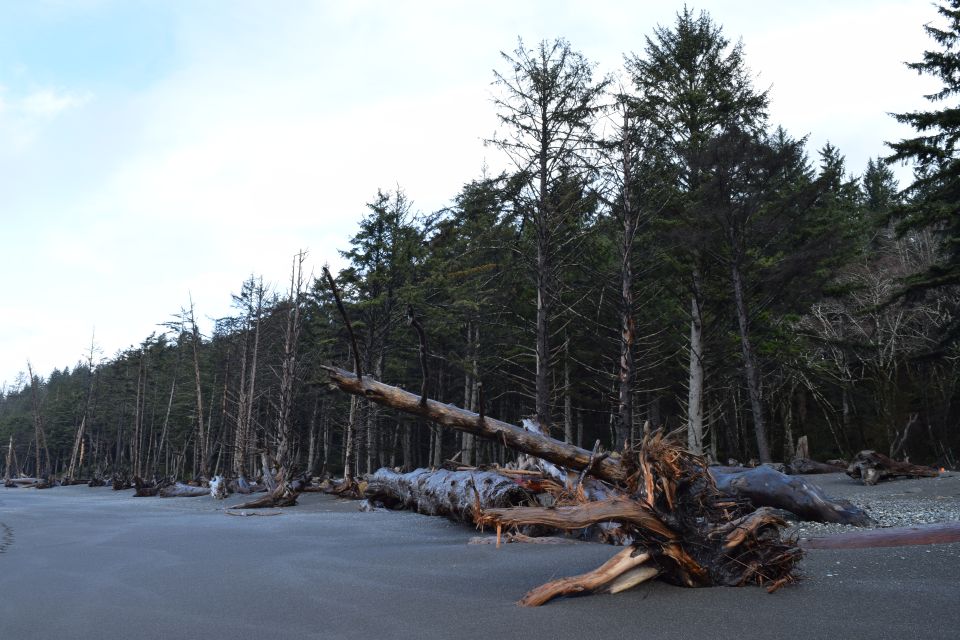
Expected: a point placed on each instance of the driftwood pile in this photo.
(871, 467)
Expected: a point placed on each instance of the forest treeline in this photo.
(659, 253)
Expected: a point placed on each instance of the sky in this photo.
(157, 152)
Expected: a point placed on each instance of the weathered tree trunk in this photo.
(695, 384)
(806, 466)
(8, 468)
(288, 371)
(180, 490)
(348, 459)
(627, 328)
(872, 467)
(455, 494)
(766, 487)
(940, 533)
(201, 436)
(512, 436)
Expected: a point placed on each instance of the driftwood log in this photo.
(446, 415)
(455, 494)
(767, 487)
(806, 466)
(181, 490)
(284, 495)
(940, 533)
(871, 467)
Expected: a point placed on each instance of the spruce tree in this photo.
(933, 199)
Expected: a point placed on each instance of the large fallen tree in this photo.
(764, 486)
(681, 526)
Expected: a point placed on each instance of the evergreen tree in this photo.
(934, 196)
(693, 86)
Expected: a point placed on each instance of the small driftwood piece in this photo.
(871, 467)
(767, 487)
(941, 533)
(623, 571)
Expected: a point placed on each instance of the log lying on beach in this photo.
(181, 490)
(871, 467)
(806, 466)
(920, 534)
(284, 495)
(767, 487)
(455, 494)
(147, 488)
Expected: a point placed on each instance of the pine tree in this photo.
(934, 196)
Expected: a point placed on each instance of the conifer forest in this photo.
(659, 253)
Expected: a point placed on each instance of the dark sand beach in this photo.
(77, 562)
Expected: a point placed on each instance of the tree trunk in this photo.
(767, 487)
(446, 415)
(201, 436)
(695, 384)
(627, 328)
(567, 400)
(749, 366)
(454, 494)
(349, 436)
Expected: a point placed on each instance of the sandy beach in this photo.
(77, 562)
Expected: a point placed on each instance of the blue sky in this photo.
(150, 151)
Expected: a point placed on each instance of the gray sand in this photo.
(77, 562)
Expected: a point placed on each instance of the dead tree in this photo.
(76, 454)
(8, 469)
(201, 434)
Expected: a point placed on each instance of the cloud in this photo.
(24, 118)
(49, 102)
